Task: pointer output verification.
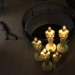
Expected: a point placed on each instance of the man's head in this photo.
(2, 22)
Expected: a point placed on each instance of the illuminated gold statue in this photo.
(56, 61)
(63, 34)
(50, 37)
(46, 65)
(45, 54)
(37, 44)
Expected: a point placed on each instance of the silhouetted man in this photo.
(7, 31)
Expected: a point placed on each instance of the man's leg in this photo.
(13, 35)
(7, 36)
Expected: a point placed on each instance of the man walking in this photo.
(7, 31)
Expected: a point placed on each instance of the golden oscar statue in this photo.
(37, 44)
(50, 37)
(63, 34)
(46, 65)
(56, 61)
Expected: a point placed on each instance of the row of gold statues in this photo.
(51, 54)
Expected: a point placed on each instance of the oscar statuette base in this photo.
(37, 57)
(56, 68)
(46, 67)
(62, 49)
(51, 48)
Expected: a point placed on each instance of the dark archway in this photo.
(45, 14)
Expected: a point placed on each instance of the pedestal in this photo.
(51, 48)
(37, 57)
(46, 67)
(62, 49)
